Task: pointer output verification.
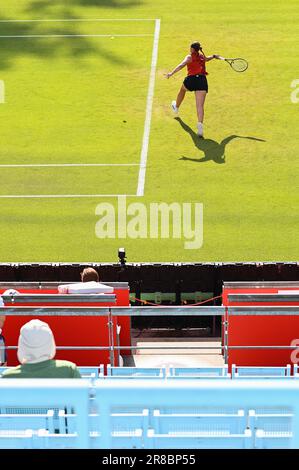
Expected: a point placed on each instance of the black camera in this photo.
(122, 256)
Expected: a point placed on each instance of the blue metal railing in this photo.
(149, 413)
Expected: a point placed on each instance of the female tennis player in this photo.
(196, 81)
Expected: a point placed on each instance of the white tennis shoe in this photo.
(200, 129)
(174, 107)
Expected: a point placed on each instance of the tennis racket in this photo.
(238, 65)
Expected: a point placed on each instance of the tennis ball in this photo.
(112, 37)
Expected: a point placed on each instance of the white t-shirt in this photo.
(91, 287)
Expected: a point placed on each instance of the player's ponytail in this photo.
(202, 51)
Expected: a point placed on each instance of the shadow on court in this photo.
(14, 47)
(122, 4)
(110, 3)
(212, 150)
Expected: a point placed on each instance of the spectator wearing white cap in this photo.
(10, 292)
(36, 352)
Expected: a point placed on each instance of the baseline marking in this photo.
(47, 196)
(41, 165)
(75, 36)
(75, 20)
(149, 107)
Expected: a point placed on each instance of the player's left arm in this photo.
(183, 64)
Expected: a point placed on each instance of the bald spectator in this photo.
(36, 352)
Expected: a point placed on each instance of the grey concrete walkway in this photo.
(177, 357)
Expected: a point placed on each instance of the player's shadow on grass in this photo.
(212, 150)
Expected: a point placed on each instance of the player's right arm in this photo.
(211, 57)
(179, 67)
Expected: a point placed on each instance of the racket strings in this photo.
(239, 65)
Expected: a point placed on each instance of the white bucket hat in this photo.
(11, 292)
(36, 343)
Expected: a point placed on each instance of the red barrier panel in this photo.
(257, 288)
(123, 300)
(261, 330)
(74, 330)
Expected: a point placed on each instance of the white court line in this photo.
(75, 36)
(40, 165)
(149, 107)
(56, 196)
(76, 20)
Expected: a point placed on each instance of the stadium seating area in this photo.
(156, 413)
(114, 372)
(242, 405)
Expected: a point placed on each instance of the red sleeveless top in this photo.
(198, 65)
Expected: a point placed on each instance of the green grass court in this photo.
(78, 101)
